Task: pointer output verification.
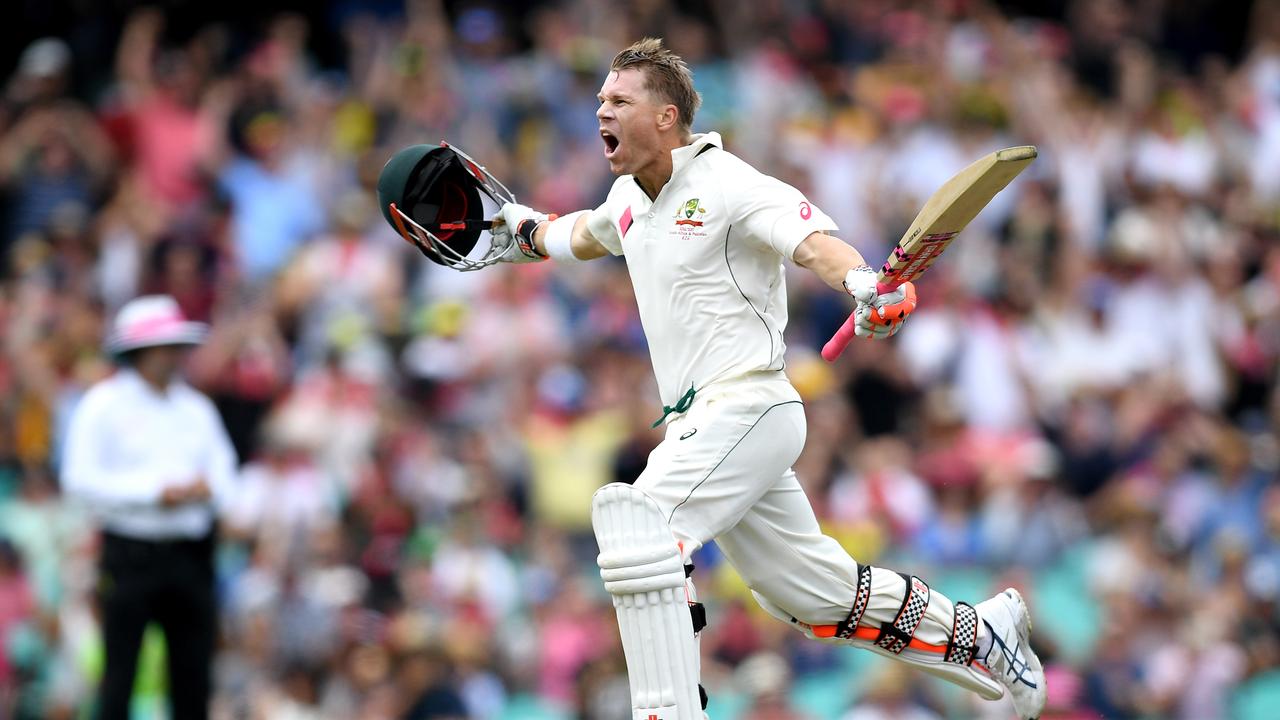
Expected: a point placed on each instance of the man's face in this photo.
(628, 115)
(159, 364)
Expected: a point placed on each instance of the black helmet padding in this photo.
(430, 184)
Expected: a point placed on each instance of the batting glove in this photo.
(878, 316)
(513, 233)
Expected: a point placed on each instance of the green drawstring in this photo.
(682, 405)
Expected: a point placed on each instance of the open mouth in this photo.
(610, 143)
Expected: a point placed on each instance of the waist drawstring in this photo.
(682, 405)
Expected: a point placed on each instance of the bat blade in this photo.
(949, 210)
(944, 215)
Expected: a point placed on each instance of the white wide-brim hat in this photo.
(152, 321)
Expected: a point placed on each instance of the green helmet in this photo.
(431, 195)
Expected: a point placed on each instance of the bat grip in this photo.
(884, 287)
(839, 341)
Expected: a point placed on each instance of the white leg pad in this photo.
(969, 677)
(643, 570)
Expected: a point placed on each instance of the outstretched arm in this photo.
(582, 243)
(532, 236)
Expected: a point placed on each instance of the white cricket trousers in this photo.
(723, 472)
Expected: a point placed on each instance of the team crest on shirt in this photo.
(689, 219)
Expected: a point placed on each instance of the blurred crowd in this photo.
(1085, 405)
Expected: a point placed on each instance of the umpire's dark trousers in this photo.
(170, 582)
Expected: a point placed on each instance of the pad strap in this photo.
(846, 629)
(697, 610)
(895, 636)
(963, 646)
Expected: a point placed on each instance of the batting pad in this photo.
(929, 631)
(642, 569)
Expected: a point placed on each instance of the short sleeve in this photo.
(778, 216)
(604, 228)
(609, 222)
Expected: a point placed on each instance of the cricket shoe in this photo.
(1011, 659)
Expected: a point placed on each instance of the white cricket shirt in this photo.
(127, 442)
(705, 258)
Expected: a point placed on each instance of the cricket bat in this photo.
(943, 216)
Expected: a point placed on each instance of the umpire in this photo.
(150, 456)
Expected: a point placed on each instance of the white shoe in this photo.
(1011, 659)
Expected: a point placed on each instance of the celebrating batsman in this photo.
(704, 236)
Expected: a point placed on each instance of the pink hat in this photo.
(152, 321)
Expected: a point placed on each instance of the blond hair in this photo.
(666, 75)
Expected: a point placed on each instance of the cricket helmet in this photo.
(433, 196)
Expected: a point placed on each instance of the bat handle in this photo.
(839, 341)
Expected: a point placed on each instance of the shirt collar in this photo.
(682, 155)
